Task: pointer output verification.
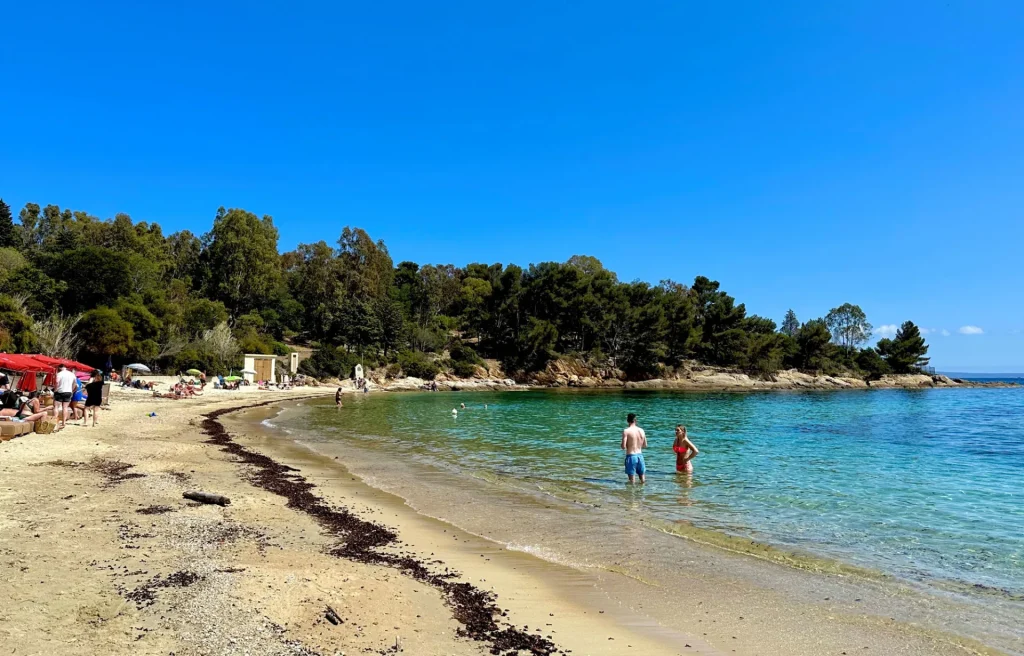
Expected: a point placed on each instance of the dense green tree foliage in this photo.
(182, 301)
(8, 235)
(849, 326)
(790, 324)
(905, 353)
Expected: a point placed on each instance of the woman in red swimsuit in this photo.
(685, 451)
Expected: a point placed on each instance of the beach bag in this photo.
(45, 426)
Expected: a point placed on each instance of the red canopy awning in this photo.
(21, 363)
(27, 367)
(70, 364)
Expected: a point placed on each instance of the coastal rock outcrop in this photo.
(692, 376)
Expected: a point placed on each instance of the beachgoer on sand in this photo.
(685, 451)
(634, 439)
(93, 397)
(78, 399)
(66, 384)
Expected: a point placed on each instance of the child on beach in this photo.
(685, 451)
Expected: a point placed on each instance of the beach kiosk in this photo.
(264, 366)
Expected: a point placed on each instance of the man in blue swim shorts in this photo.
(634, 439)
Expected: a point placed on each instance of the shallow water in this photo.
(922, 485)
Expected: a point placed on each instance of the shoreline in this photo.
(707, 379)
(105, 556)
(790, 586)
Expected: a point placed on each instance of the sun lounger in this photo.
(12, 429)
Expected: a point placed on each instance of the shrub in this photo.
(417, 365)
(462, 352)
(463, 369)
(328, 362)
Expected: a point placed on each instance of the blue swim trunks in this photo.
(635, 465)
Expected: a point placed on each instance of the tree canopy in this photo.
(124, 289)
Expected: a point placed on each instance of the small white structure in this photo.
(359, 371)
(293, 362)
(265, 367)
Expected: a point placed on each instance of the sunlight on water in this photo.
(919, 484)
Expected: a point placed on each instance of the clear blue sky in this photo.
(803, 153)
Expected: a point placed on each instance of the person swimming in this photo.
(685, 451)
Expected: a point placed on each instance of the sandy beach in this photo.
(99, 553)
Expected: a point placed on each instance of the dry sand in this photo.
(99, 554)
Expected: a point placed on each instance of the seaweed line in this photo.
(362, 541)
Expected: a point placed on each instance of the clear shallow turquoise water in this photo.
(925, 485)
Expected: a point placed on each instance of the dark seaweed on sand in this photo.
(365, 542)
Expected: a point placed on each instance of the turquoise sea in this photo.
(926, 485)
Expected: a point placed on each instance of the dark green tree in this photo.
(682, 332)
(29, 220)
(8, 233)
(202, 314)
(767, 352)
(790, 325)
(15, 327)
(905, 353)
(104, 332)
(365, 266)
(315, 279)
(109, 276)
(390, 325)
(872, 364)
(723, 341)
(42, 293)
(241, 253)
(814, 345)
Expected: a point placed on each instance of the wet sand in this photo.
(100, 554)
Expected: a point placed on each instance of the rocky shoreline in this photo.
(571, 374)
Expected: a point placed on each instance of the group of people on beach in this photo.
(634, 441)
(72, 400)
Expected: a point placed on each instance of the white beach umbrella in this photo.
(139, 367)
(248, 371)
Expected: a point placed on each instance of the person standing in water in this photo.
(685, 451)
(634, 439)
(337, 398)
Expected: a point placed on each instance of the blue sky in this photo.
(805, 154)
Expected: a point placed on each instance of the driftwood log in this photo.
(332, 616)
(207, 497)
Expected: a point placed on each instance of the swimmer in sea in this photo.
(634, 439)
(685, 451)
(462, 405)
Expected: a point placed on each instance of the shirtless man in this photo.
(634, 439)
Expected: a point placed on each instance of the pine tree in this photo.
(905, 353)
(790, 325)
(8, 236)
